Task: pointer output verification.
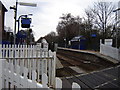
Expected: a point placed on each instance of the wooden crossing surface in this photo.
(104, 79)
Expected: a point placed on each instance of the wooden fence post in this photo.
(18, 76)
(25, 77)
(54, 69)
(11, 74)
(1, 67)
(34, 75)
(6, 73)
(1, 74)
(119, 54)
(38, 67)
(49, 71)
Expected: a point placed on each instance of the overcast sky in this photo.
(46, 15)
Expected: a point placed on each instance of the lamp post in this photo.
(116, 24)
(15, 17)
(15, 11)
(65, 42)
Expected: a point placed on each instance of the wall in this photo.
(119, 11)
(110, 51)
(0, 21)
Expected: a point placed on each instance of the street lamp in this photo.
(116, 24)
(27, 4)
(15, 10)
(116, 10)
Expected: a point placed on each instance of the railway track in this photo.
(79, 60)
(87, 63)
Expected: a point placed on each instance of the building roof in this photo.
(77, 38)
(3, 7)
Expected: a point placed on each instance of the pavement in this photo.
(58, 64)
(77, 69)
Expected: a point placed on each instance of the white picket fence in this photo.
(75, 86)
(27, 66)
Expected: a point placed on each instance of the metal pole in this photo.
(15, 22)
(18, 25)
(19, 22)
(116, 28)
(65, 37)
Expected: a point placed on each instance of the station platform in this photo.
(96, 53)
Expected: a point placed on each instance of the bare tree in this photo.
(103, 16)
(90, 18)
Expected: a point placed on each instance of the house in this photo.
(119, 10)
(2, 19)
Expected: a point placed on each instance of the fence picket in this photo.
(58, 83)
(18, 76)
(34, 79)
(44, 80)
(53, 69)
(76, 86)
(4, 50)
(25, 82)
(45, 66)
(1, 54)
(11, 78)
(6, 83)
(1, 71)
(49, 71)
(38, 73)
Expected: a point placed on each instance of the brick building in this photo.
(2, 19)
(119, 10)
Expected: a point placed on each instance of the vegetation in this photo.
(22, 37)
(98, 20)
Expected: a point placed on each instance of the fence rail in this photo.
(24, 51)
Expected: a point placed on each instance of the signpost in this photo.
(25, 22)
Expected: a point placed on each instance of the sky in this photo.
(47, 14)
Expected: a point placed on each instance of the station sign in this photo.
(25, 22)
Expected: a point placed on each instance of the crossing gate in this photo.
(27, 66)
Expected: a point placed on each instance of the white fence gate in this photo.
(27, 66)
